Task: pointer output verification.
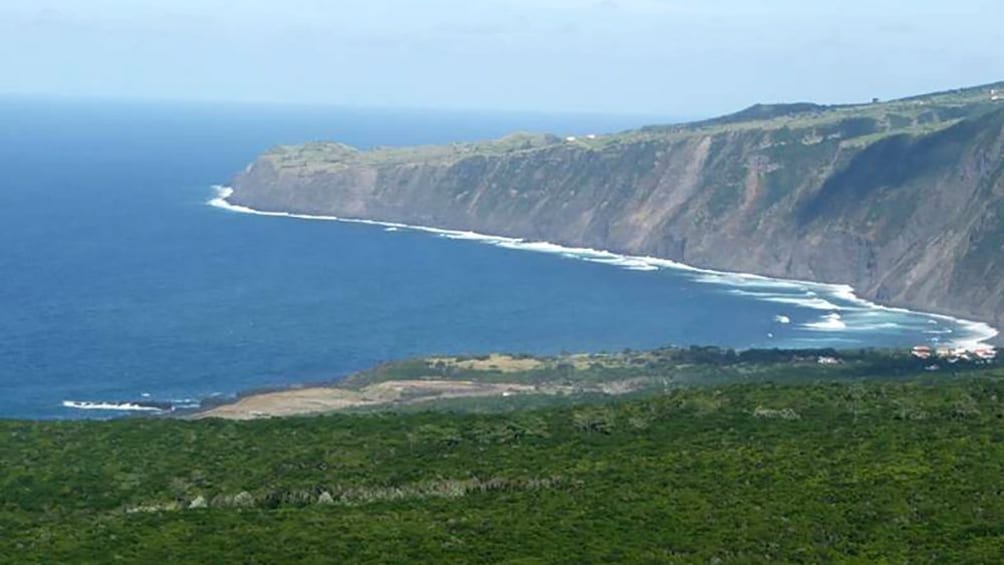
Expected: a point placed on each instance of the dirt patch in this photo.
(317, 400)
(289, 403)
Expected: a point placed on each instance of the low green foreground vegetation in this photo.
(905, 469)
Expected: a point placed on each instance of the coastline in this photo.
(979, 332)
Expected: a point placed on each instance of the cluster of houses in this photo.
(996, 95)
(955, 354)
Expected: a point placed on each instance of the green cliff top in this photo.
(854, 124)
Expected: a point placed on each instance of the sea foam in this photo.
(828, 322)
(836, 299)
(117, 406)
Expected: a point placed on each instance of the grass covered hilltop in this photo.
(710, 456)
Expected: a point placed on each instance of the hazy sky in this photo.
(667, 57)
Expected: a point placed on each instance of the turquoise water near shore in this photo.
(121, 288)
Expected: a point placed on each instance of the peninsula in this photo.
(903, 200)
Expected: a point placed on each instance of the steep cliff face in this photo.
(904, 200)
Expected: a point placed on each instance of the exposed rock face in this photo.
(904, 201)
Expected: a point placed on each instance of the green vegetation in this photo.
(328, 155)
(776, 458)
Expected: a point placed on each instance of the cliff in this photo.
(904, 200)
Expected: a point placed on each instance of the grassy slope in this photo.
(906, 469)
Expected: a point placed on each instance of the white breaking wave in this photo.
(804, 299)
(978, 333)
(828, 322)
(782, 319)
(121, 406)
(814, 303)
(808, 294)
(747, 280)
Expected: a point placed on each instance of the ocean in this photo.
(127, 282)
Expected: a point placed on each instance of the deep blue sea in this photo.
(118, 283)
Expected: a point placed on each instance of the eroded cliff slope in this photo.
(903, 200)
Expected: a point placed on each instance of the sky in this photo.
(657, 57)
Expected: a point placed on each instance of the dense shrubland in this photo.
(902, 469)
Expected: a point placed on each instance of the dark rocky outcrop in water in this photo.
(903, 200)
